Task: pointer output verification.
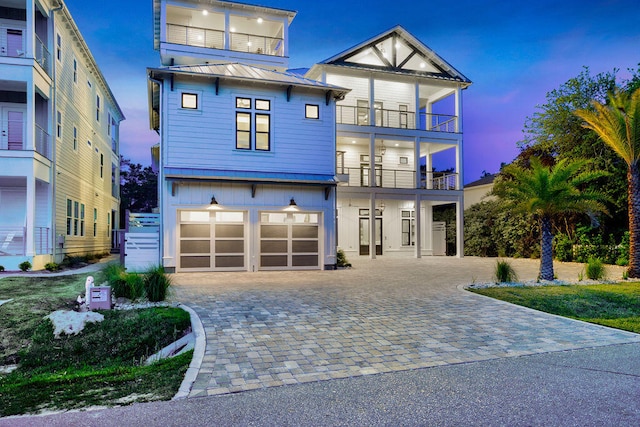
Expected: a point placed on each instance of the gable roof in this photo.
(482, 181)
(396, 51)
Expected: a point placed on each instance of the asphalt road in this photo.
(589, 387)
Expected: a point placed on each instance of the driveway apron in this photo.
(269, 329)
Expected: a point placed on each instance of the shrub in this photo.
(1, 267)
(74, 261)
(52, 266)
(595, 269)
(25, 266)
(504, 272)
(123, 284)
(156, 283)
(341, 259)
(564, 248)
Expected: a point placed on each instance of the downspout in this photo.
(54, 237)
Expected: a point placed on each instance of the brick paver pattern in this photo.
(276, 328)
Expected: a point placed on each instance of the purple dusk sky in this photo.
(514, 53)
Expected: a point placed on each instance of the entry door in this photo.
(13, 129)
(365, 235)
(13, 42)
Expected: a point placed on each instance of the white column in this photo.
(458, 108)
(285, 50)
(417, 106)
(29, 42)
(459, 175)
(372, 160)
(372, 97)
(416, 162)
(460, 228)
(428, 171)
(372, 226)
(418, 222)
(31, 213)
(227, 31)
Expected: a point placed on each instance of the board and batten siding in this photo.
(206, 138)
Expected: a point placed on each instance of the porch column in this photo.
(285, 37)
(428, 171)
(460, 228)
(227, 31)
(372, 97)
(458, 109)
(372, 226)
(372, 160)
(418, 221)
(416, 162)
(30, 214)
(29, 41)
(459, 181)
(417, 106)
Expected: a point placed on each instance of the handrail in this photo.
(397, 119)
(397, 178)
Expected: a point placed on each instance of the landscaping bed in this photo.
(103, 365)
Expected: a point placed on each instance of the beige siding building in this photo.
(59, 154)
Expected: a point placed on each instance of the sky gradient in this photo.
(514, 53)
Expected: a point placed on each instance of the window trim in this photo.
(182, 101)
(238, 131)
(255, 104)
(268, 132)
(238, 98)
(98, 108)
(58, 47)
(75, 138)
(59, 124)
(75, 71)
(317, 112)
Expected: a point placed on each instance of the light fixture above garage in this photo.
(214, 205)
(293, 207)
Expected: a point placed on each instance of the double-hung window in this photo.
(253, 124)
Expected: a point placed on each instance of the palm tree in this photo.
(618, 125)
(548, 191)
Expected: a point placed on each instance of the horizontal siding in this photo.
(206, 138)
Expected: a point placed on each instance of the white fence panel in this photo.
(142, 251)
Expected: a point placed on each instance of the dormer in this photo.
(188, 32)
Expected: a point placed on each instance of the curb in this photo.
(198, 354)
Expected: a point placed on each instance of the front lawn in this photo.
(101, 366)
(614, 305)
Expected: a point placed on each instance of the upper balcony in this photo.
(396, 119)
(224, 32)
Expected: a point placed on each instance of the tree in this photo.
(547, 191)
(138, 188)
(618, 126)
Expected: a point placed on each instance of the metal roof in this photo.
(243, 72)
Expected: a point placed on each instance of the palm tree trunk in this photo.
(546, 248)
(633, 177)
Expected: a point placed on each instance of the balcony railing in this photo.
(214, 39)
(194, 36)
(397, 119)
(395, 178)
(43, 57)
(43, 142)
(13, 241)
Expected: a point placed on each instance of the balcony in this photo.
(14, 137)
(215, 39)
(396, 119)
(395, 178)
(13, 241)
(43, 57)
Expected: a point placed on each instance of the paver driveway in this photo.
(274, 328)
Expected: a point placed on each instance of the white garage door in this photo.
(289, 241)
(212, 241)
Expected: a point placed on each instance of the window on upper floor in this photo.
(75, 218)
(189, 101)
(75, 138)
(97, 108)
(58, 47)
(312, 111)
(250, 111)
(59, 124)
(95, 222)
(101, 165)
(75, 71)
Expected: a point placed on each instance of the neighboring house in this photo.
(247, 150)
(260, 168)
(478, 191)
(405, 105)
(59, 162)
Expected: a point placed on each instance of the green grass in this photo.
(100, 366)
(614, 305)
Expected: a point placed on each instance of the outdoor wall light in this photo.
(293, 207)
(214, 204)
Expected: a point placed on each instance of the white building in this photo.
(404, 107)
(242, 140)
(59, 161)
(247, 150)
